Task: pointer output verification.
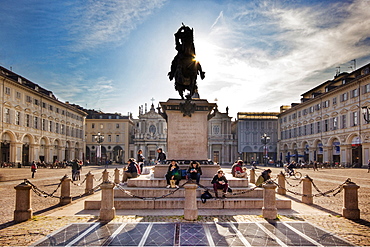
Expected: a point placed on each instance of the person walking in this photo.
(33, 168)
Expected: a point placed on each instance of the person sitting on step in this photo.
(132, 170)
(219, 181)
(173, 173)
(194, 171)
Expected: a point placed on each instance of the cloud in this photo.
(270, 53)
(93, 23)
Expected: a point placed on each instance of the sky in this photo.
(114, 55)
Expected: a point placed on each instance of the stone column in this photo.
(23, 210)
(281, 181)
(252, 176)
(105, 175)
(116, 176)
(269, 210)
(65, 191)
(190, 209)
(89, 183)
(307, 190)
(350, 202)
(107, 209)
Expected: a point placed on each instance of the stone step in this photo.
(148, 181)
(178, 203)
(158, 192)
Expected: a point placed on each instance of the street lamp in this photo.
(99, 139)
(265, 139)
(366, 113)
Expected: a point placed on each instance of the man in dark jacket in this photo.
(132, 170)
(161, 156)
(219, 181)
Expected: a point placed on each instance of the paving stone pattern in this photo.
(193, 234)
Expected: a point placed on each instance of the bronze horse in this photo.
(184, 67)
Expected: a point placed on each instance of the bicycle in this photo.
(295, 174)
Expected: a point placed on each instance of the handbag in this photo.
(206, 195)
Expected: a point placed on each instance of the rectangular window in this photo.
(50, 126)
(326, 103)
(117, 126)
(335, 123)
(62, 129)
(101, 126)
(117, 138)
(305, 130)
(7, 90)
(109, 138)
(57, 110)
(18, 118)
(36, 101)
(344, 121)
(354, 93)
(367, 88)
(36, 123)
(344, 97)
(50, 107)
(311, 109)
(305, 112)
(43, 124)
(311, 129)
(318, 127)
(92, 125)
(28, 99)
(355, 118)
(7, 115)
(28, 120)
(299, 113)
(43, 105)
(18, 95)
(326, 125)
(334, 101)
(57, 128)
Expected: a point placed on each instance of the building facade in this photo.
(328, 125)
(115, 132)
(35, 125)
(222, 142)
(150, 133)
(257, 136)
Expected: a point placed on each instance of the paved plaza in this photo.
(320, 224)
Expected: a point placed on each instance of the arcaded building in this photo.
(115, 132)
(35, 125)
(257, 136)
(328, 125)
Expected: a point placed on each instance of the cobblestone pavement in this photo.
(358, 232)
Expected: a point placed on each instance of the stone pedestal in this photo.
(269, 210)
(89, 183)
(116, 176)
(190, 209)
(105, 175)
(281, 182)
(23, 210)
(350, 202)
(252, 176)
(187, 128)
(107, 209)
(65, 191)
(307, 190)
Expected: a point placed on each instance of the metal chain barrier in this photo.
(149, 198)
(97, 180)
(42, 193)
(335, 191)
(292, 184)
(234, 193)
(339, 188)
(79, 184)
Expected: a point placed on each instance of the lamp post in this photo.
(265, 139)
(99, 139)
(366, 112)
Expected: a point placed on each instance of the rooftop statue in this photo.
(184, 67)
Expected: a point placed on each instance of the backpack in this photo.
(206, 195)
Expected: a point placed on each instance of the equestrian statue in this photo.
(184, 67)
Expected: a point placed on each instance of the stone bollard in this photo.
(350, 202)
(89, 183)
(307, 190)
(107, 209)
(252, 176)
(116, 176)
(65, 191)
(23, 210)
(105, 175)
(281, 182)
(190, 208)
(269, 210)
